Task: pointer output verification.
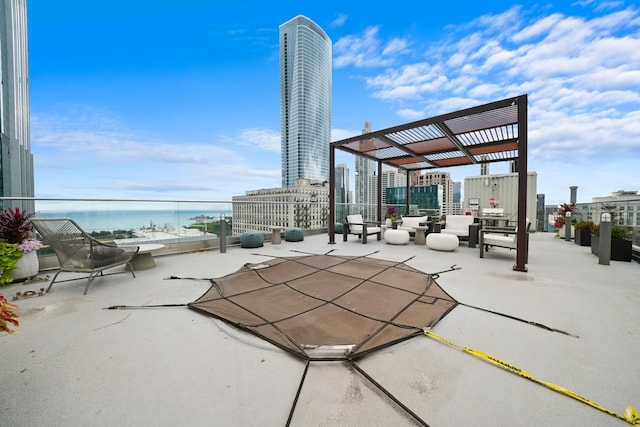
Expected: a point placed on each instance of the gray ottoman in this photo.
(339, 228)
(251, 239)
(294, 235)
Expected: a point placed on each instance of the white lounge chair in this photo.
(500, 237)
(354, 224)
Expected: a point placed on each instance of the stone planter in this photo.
(561, 232)
(583, 238)
(595, 244)
(621, 249)
(28, 267)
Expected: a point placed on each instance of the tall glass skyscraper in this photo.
(16, 161)
(305, 100)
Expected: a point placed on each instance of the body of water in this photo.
(130, 219)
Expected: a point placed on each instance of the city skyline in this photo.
(123, 108)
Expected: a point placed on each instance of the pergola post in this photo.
(331, 226)
(522, 245)
(379, 194)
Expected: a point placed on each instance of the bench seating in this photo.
(410, 222)
(354, 224)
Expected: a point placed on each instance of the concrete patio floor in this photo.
(74, 363)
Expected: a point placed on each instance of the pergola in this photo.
(494, 132)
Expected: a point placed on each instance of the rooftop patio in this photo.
(72, 362)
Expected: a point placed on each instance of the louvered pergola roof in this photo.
(483, 134)
(494, 132)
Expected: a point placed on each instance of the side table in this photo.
(421, 232)
(276, 236)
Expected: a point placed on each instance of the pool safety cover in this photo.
(327, 307)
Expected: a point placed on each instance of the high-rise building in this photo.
(305, 101)
(365, 174)
(342, 191)
(16, 160)
(457, 198)
(304, 205)
(439, 178)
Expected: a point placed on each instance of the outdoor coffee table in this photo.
(144, 258)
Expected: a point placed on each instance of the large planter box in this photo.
(621, 249)
(595, 244)
(583, 238)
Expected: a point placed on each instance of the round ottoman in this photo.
(294, 235)
(339, 228)
(396, 237)
(251, 239)
(442, 242)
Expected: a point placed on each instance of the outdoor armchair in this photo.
(354, 224)
(500, 237)
(79, 252)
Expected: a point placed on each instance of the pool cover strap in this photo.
(630, 414)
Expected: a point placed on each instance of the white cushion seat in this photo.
(396, 237)
(457, 225)
(442, 242)
(355, 225)
(410, 222)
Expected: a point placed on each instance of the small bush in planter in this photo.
(617, 231)
(586, 225)
(621, 246)
(584, 230)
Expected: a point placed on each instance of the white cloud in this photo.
(581, 74)
(179, 169)
(366, 50)
(340, 20)
(262, 139)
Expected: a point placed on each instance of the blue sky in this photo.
(180, 100)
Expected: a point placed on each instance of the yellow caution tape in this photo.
(630, 414)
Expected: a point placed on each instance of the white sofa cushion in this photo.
(458, 225)
(410, 222)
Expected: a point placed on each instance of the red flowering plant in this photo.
(7, 316)
(16, 228)
(16, 239)
(392, 213)
(563, 209)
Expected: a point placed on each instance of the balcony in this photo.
(76, 363)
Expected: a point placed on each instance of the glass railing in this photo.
(137, 221)
(129, 221)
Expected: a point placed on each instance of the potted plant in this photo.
(559, 224)
(621, 245)
(584, 230)
(391, 216)
(18, 257)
